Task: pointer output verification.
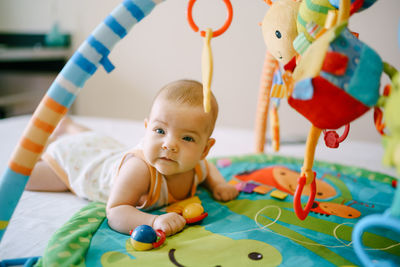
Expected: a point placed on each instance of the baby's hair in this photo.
(189, 92)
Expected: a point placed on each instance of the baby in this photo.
(164, 168)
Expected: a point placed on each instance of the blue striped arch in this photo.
(136, 12)
(117, 28)
(61, 95)
(12, 186)
(83, 64)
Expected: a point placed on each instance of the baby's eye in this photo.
(278, 34)
(159, 131)
(188, 139)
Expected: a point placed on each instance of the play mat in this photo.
(259, 228)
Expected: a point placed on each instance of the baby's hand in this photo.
(225, 192)
(170, 223)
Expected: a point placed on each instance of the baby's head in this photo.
(190, 93)
(178, 129)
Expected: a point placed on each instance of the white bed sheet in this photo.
(39, 214)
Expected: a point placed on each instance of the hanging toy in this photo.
(145, 237)
(332, 78)
(275, 136)
(207, 58)
(269, 68)
(279, 31)
(336, 81)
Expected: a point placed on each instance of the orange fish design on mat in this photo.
(285, 180)
(340, 210)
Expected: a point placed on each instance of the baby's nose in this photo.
(173, 149)
(170, 146)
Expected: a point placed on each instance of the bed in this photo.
(39, 214)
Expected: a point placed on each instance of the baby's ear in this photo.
(210, 143)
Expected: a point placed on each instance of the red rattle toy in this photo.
(145, 237)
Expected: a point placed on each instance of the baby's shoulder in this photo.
(134, 165)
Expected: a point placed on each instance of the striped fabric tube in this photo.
(275, 129)
(300, 44)
(279, 91)
(60, 96)
(269, 67)
(314, 11)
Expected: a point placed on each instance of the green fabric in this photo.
(69, 244)
(312, 11)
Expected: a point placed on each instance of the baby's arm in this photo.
(216, 183)
(132, 182)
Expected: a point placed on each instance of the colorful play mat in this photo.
(259, 228)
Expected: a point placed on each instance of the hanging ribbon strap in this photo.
(207, 59)
(207, 70)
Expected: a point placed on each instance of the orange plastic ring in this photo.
(217, 32)
(378, 118)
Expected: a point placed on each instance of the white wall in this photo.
(163, 48)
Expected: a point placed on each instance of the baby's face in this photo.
(176, 137)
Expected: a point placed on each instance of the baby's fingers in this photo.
(175, 224)
(221, 195)
(226, 194)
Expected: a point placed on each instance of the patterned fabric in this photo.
(86, 163)
(364, 68)
(312, 11)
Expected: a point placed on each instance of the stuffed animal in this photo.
(289, 27)
(279, 31)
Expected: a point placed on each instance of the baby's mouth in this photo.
(167, 159)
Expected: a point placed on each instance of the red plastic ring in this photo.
(345, 133)
(197, 219)
(161, 235)
(217, 32)
(302, 214)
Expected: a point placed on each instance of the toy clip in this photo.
(217, 32)
(161, 240)
(302, 214)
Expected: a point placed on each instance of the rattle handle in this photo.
(161, 235)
